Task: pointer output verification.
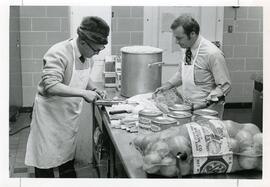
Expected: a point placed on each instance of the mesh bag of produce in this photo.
(202, 147)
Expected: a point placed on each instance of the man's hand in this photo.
(165, 87)
(90, 96)
(214, 95)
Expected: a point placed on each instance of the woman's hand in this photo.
(90, 96)
(101, 93)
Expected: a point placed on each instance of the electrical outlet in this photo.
(230, 29)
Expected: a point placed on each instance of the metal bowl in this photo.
(205, 112)
(149, 113)
(179, 114)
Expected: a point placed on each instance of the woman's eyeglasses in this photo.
(95, 50)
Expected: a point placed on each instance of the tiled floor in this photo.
(17, 145)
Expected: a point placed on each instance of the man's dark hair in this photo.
(188, 23)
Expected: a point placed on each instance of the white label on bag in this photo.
(211, 150)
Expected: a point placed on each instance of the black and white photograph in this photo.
(136, 92)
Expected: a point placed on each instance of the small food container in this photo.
(155, 128)
(148, 115)
(180, 107)
(181, 116)
(164, 122)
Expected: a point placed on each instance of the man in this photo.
(65, 83)
(202, 73)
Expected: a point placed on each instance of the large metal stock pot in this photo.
(141, 70)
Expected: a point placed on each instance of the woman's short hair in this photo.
(94, 29)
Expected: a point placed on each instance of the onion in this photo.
(251, 128)
(185, 167)
(235, 166)
(152, 158)
(257, 139)
(168, 171)
(138, 140)
(168, 133)
(248, 160)
(168, 166)
(179, 144)
(259, 166)
(244, 138)
(183, 131)
(148, 148)
(235, 145)
(232, 127)
(152, 169)
(148, 139)
(151, 163)
(161, 148)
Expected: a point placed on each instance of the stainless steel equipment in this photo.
(141, 70)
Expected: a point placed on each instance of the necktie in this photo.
(82, 59)
(188, 56)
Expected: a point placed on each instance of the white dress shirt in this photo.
(210, 69)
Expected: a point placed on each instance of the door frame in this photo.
(151, 23)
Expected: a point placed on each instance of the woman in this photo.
(65, 83)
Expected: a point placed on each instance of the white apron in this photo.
(52, 139)
(190, 91)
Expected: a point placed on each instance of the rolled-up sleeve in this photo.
(53, 70)
(176, 79)
(220, 73)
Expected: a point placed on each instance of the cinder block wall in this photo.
(243, 49)
(40, 28)
(43, 26)
(127, 27)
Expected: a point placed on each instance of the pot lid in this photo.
(140, 49)
(209, 117)
(180, 107)
(150, 113)
(164, 120)
(205, 112)
(179, 114)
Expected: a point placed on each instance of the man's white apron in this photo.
(190, 91)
